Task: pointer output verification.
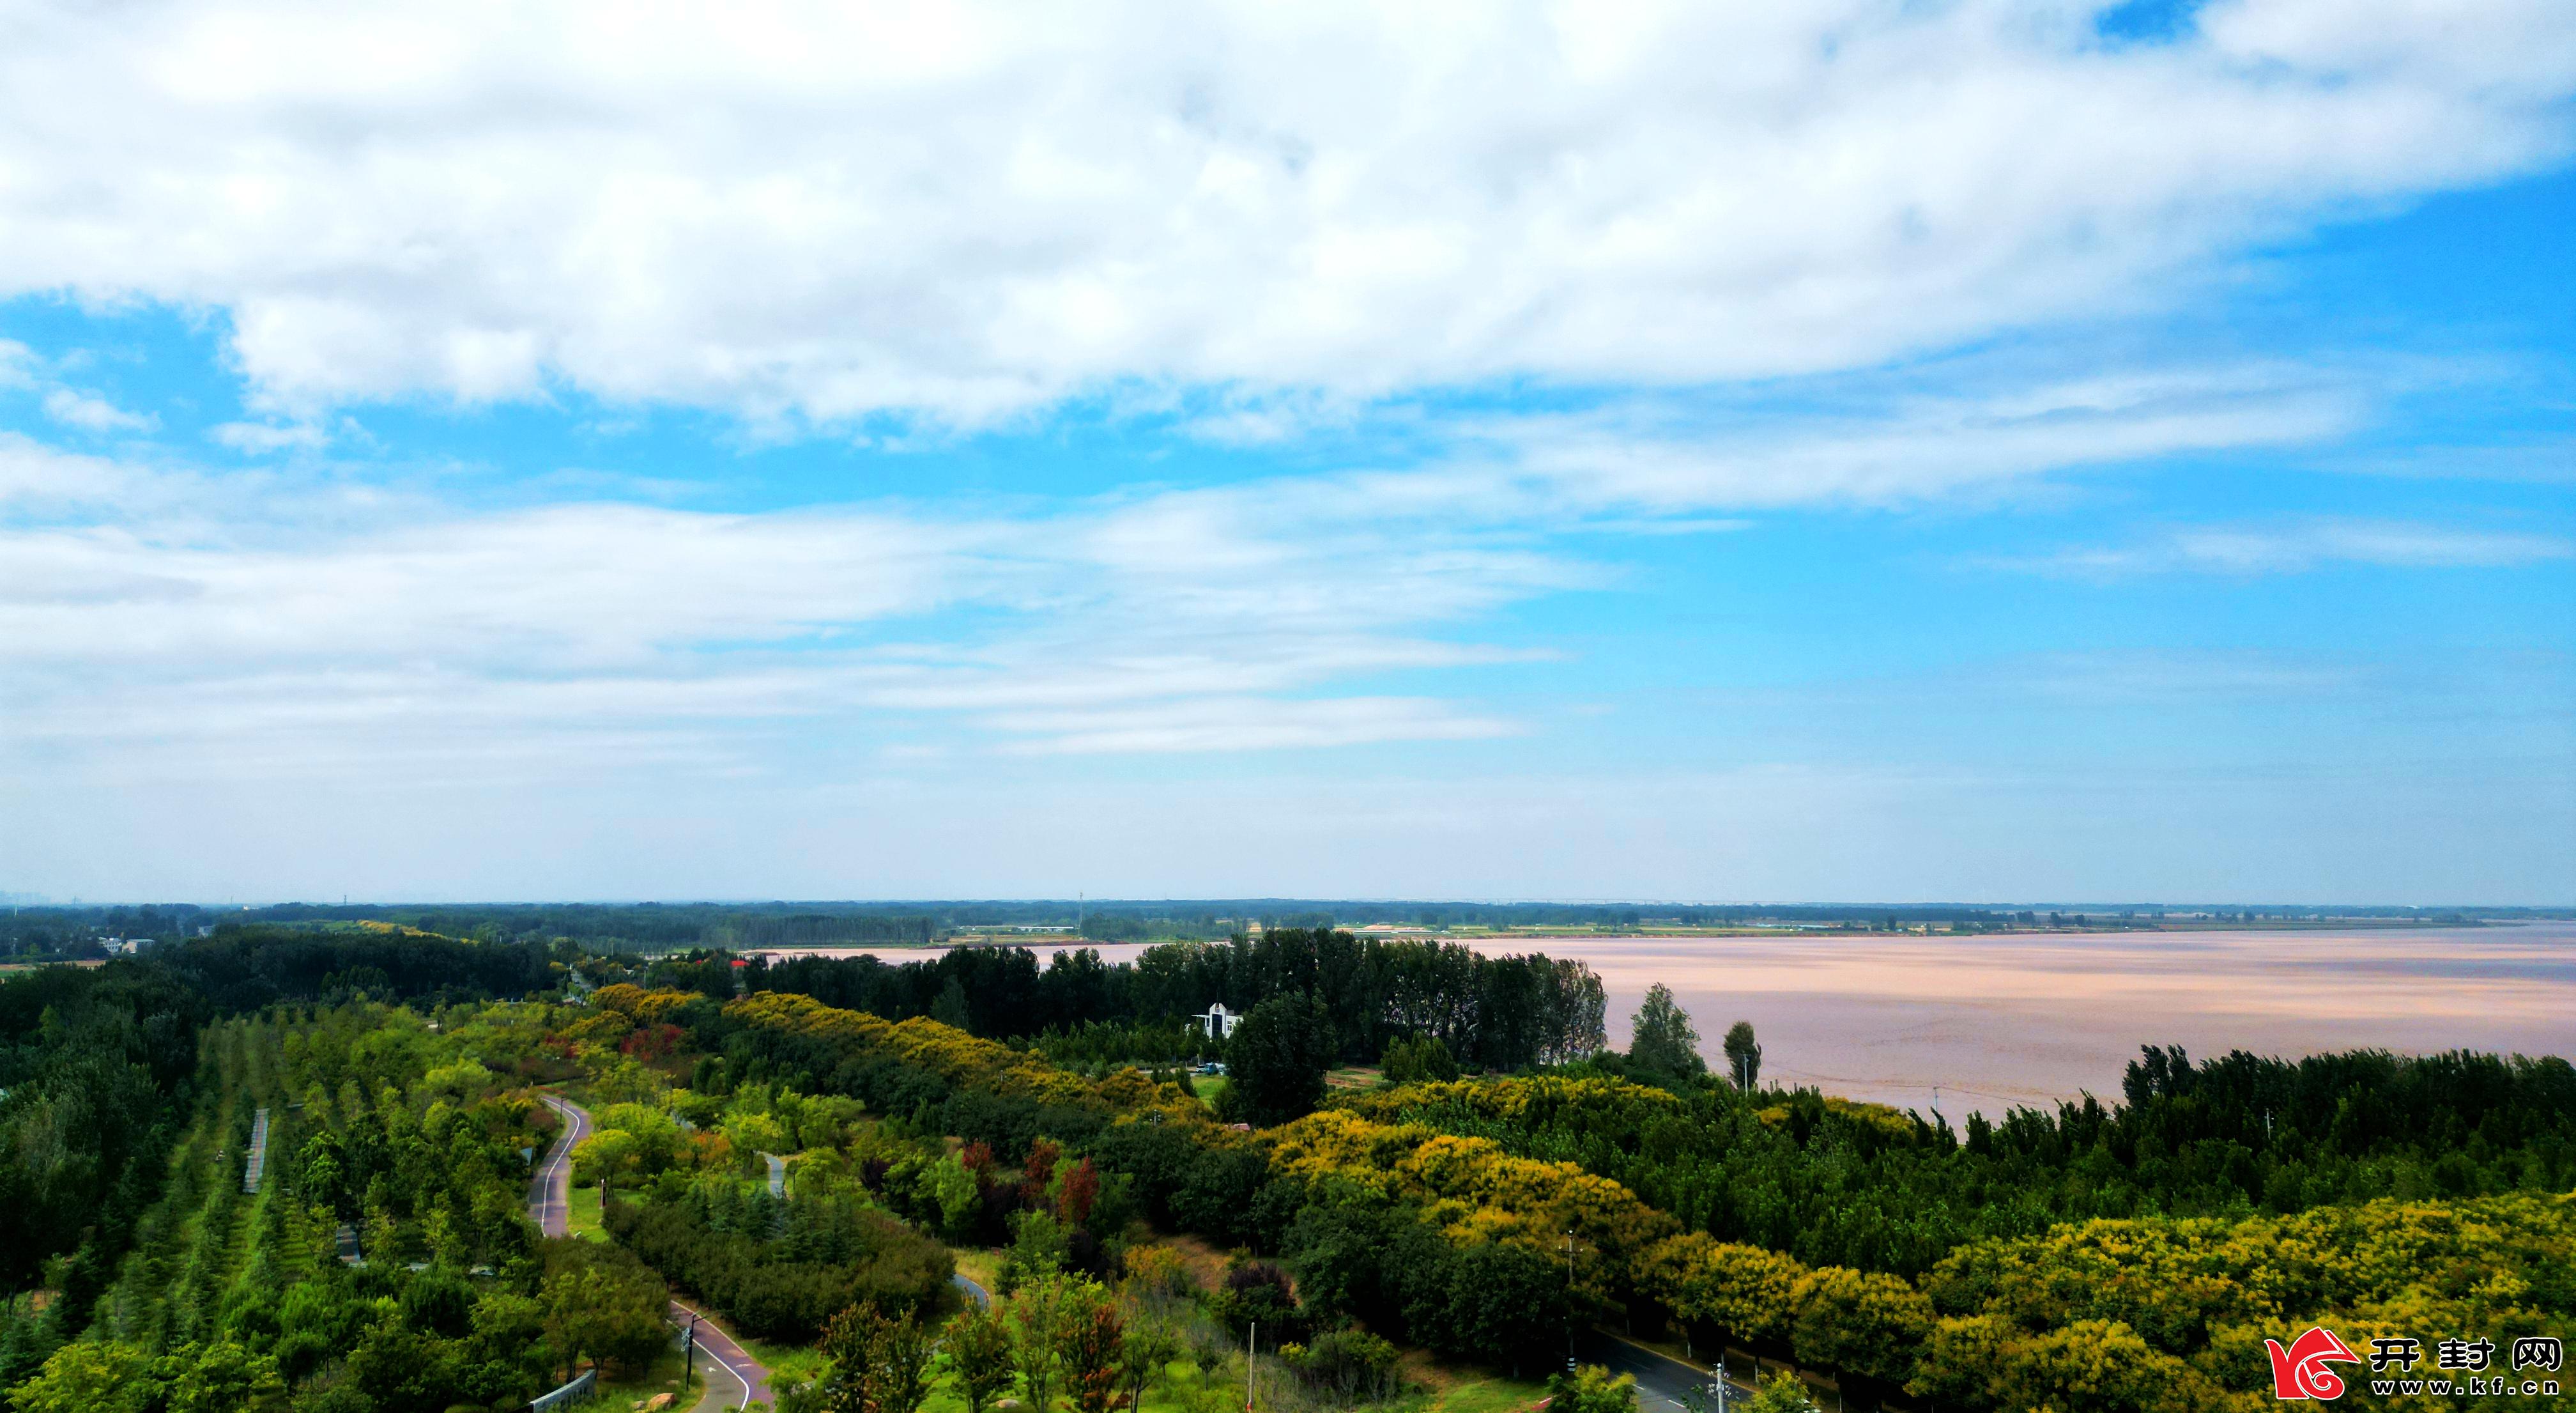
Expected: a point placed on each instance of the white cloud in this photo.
(1649, 463)
(2297, 547)
(277, 620)
(91, 413)
(23, 369)
(173, 638)
(1247, 724)
(265, 438)
(38, 479)
(961, 210)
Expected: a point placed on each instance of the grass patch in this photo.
(787, 1363)
(581, 1214)
(982, 1267)
(1486, 1393)
(1209, 1086)
(664, 1376)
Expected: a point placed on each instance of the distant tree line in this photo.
(47, 933)
(246, 966)
(1501, 1013)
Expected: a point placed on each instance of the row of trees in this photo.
(1837, 1183)
(97, 1069)
(1492, 1012)
(1095, 1346)
(384, 1136)
(779, 1274)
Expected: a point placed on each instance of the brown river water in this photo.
(2031, 1019)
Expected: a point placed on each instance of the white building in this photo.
(1216, 1020)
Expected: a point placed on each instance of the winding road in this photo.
(743, 1378)
(550, 1191)
(1663, 1381)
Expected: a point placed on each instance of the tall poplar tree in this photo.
(1662, 1039)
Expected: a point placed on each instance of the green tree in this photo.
(978, 1346)
(1035, 1309)
(112, 1377)
(1157, 1289)
(844, 1388)
(880, 1364)
(2098, 1366)
(1149, 1347)
(1591, 1389)
(1412, 1059)
(898, 1357)
(1492, 1300)
(1858, 1322)
(1039, 1245)
(1781, 1392)
(1743, 1056)
(223, 1377)
(1276, 1059)
(946, 1187)
(601, 1302)
(1662, 1039)
(399, 1367)
(950, 1008)
(1744, 1290)
(326, 1180)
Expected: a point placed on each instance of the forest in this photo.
(382, 1263)
(1503, 1013)
(1502, 1180)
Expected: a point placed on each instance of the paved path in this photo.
(974, 1292)
(734, 1378)
(1661, 1379)
(550, 1191)
(258, 1152)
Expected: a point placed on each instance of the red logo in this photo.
(2300, 1371)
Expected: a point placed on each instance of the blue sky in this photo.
(1996, 451)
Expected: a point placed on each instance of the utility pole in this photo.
(1251, 1334)
(1569, 1301)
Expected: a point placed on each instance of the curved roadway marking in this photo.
(550, 1201)
(552, 1197)
(714, 1342)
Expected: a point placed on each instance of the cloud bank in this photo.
(826, 212)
